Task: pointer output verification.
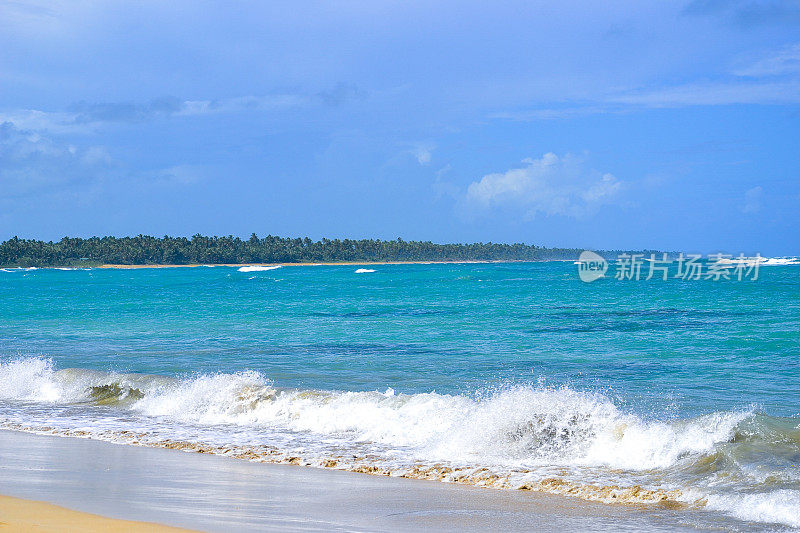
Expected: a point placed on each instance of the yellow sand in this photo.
(26, 515)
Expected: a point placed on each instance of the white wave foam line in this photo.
(521, 426)
(364, 270)
(35, 380)
(780, 261)
(258, 268)
(778, 506)
(419, 435)
(29, 379)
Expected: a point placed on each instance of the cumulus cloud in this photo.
(36, 164)
(36, 120)
(551, 185)
(423, 153)
(40, 165)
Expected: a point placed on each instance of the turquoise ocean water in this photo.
(679, 394)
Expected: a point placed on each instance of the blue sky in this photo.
(671, 125)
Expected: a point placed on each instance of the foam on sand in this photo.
(227, 494)
(527, 437)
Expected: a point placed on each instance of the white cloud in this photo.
(37, 164)
(249, 103)
(736, 91)
(423, 153)
(554, 113)
(714, 94)
(35, 120)
(551, 185)
(783, 61)
(84, 117)
(752, 200)
(442, 187)
(771, 79)
(178, 175)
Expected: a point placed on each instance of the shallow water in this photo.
(679, 394)
(146, 484)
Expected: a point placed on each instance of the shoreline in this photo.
(339, 263)
(161, 486)
(323, 263)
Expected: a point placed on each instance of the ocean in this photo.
(677, 394)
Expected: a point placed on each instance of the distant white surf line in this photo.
(780, 261)
(258, 268)
(364, 270)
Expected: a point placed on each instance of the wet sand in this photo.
(213, 493)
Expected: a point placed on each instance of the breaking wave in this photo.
(525, 437)
(258, 268)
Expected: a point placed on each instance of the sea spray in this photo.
(522, 436)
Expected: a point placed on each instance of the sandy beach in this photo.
(400, 266)
(397, 401)
(17, 514)
(211, 493)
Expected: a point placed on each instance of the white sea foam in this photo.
(761, 261)
(777, 506)
(364, 270)
(29, 379)
(519, 433)
(780, 261)
(521, 426)
(258, 268)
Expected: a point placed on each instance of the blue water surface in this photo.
(663, 348)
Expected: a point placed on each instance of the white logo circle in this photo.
(591, 266)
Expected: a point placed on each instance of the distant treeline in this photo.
(146, 250)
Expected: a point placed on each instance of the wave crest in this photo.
(526, 436)
(521, 425)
